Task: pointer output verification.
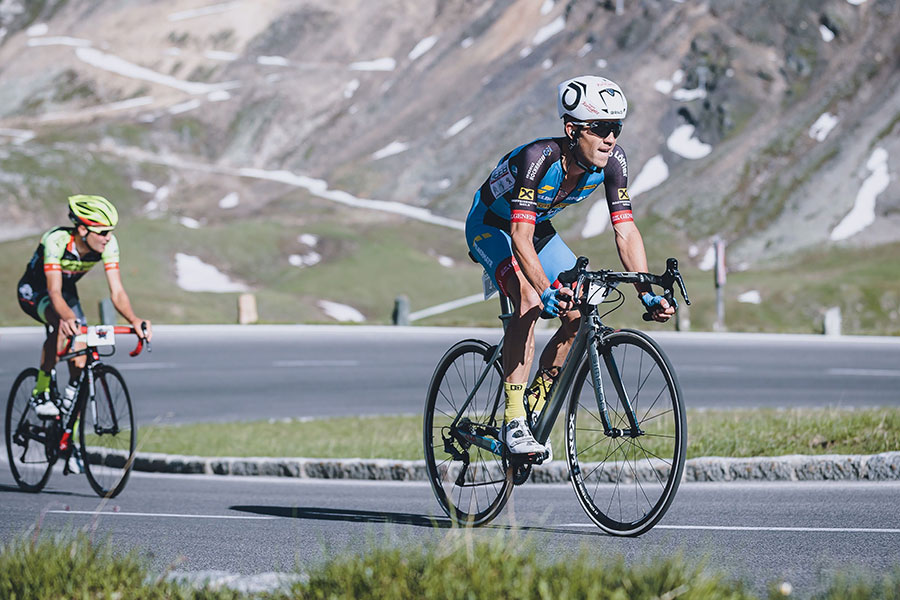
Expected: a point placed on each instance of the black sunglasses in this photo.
(602, 128)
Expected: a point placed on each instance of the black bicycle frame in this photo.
(587, 338)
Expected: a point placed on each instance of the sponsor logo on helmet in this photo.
(571, 97)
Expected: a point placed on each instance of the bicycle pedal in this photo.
(531, 458)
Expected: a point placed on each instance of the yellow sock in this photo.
(43, 383)
(515, 401)
(539, 389)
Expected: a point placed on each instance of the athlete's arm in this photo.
(532, 165)
(629, 243)
(123, 304)
(67, 320)
(522, 234)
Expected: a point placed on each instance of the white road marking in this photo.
(162, 515)
(145, 366)
(866, 372)
(768, 529)
(709, 368)
(316, 363)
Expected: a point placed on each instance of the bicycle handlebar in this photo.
(117, 329)
(667, 280)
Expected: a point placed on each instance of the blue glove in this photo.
(550, 299)
(653, 302)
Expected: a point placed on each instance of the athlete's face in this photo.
(96, 241)
(593, 146)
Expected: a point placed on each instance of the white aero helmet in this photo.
(588, 98)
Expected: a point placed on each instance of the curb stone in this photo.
(832, 467)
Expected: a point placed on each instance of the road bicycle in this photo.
(625, 428)
(101, 412)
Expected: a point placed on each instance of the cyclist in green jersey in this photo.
(47, 292)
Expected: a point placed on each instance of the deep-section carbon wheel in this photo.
(626, 479)
(107, 433)
(27, 436)
(472, 484)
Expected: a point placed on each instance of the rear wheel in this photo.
(30, 440)
(107, 433)
(471, 483)
(626, 479)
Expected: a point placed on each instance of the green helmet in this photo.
(94, 212)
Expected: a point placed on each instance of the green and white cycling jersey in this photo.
(58, 252)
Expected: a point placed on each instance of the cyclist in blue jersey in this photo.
(509, 232)
(47, 293)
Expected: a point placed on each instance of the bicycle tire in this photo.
(107, 448)
(629, 489)
(30, 461)
(488, 480)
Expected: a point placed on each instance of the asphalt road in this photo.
(220, 373)
(761, 532)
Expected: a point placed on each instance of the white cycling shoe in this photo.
(518, 438)
(44, 407)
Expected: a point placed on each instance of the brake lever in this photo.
(144, 331)
(673, 272)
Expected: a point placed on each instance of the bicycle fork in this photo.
(613, 369)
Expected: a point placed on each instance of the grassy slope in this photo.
(370, 258)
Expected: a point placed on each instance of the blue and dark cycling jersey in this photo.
(525, 186)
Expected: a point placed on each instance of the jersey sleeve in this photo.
(55, 243)
(110, 254)
(615, 182)
(533, 162)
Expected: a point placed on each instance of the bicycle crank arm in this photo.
(491, 445)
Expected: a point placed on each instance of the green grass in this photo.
(371, 258)
(507, 565)
(735, 433)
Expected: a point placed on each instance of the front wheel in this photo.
(108, 436)
(471, 483)
(626, 477)
(29, 439)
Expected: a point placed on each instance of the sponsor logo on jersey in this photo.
(546, 151)
(535, 167)
(620, 156)
(523, 216)
(485, 259)
(589, 187)
(26, 291)
(623, 194)
(526, 194)
(501, 180)
(621, 216)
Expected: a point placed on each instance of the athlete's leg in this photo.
(492, 247)
(555, 257)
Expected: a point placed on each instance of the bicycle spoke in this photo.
(617, 491)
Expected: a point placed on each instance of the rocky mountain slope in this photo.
(773, 124)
